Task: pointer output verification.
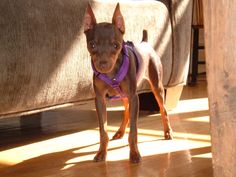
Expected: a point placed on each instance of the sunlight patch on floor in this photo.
(206, 155)
(199, 119)
(191, 105)
(87, 142)
(148, 146)
(62, 143)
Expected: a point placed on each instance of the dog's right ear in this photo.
(118, 19)
(89, 19)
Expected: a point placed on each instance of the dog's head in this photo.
(104, 40)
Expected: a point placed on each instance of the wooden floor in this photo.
(69, 139)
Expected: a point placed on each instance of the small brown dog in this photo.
(116, 65)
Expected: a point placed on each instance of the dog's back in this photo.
(148, 57)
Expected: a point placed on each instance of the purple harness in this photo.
(115, 81)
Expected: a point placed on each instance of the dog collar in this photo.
(115, 81)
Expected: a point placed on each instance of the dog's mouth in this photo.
(103, 67)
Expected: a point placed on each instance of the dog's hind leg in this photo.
(155, 79)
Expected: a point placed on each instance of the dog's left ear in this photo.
(118, 19)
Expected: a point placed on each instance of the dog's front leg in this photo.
(133, 139)
(102, 120)
(120, 133)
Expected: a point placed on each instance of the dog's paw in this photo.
(168, 135)
(135, 157)
(118, 135)
(100, 156)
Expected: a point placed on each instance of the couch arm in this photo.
(181, 18)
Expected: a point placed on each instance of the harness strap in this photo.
(130, 45)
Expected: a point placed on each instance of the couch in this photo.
(44, 63)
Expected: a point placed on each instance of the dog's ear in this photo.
(89, 19)
(118, 19)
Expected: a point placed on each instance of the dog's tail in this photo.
(145, 36)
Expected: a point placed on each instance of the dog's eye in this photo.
(116, 45)
(92, 45)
